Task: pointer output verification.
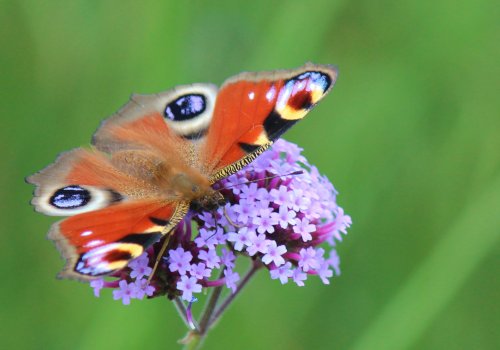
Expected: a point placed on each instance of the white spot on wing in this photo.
(271, 93)
(94, 243)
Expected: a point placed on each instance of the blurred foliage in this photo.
(410, 137)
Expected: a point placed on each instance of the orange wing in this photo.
(103, 241)
(254, 109)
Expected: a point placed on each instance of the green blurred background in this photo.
(410, 137)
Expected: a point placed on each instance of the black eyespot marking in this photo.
(186, 107)
(70, 197)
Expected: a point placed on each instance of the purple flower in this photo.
(263, 195)
(285, 217)
(97, 284)
(280, 196)
(308, 259)
(341, 223)
(334, 262)
(210, 257)
(234, 183)
(299, 277)
(240, 239)
(126, 292)
(188, 286)
(324, 272)
(265, 221)
(208, 219)
(140, 267)
(231, 278)
(228, 258)
(142, 288)
(258, 244)
(249, 192)
(179, 260)
(304, 228)
(207, 238)
(274, 254)
(244, 210)
(283, 272)
(200, 271)
(299, 201)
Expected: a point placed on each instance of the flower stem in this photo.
(195, 338)
(209, 310)
(255, 266)
(192, 340)
(181, 309)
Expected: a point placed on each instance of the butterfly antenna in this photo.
(298, 172)
(159, 256)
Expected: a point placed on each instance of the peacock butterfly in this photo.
(161, 154)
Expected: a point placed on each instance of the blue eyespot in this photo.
(185, 107)
(70, 197)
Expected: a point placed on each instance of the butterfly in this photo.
(159, 156)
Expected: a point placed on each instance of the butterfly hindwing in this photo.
(104, 241)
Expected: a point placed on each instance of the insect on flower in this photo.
(197, 154)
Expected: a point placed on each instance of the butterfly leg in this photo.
(159, 256)
(229, 219)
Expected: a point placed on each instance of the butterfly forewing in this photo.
(254, 109)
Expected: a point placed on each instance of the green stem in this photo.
(230, 298)
(209, 310)
(181, 309)
(194, 339)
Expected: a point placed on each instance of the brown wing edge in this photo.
(63, 162)
(279, 74)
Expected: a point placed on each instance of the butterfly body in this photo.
(160, 155)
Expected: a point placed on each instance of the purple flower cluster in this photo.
(279, 212)
(132, 282)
